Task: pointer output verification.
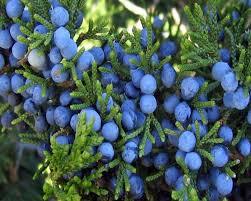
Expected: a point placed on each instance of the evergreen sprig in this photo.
(69, 159)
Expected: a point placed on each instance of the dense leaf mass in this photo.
(140, 116)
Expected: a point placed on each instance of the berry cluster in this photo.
(144, 120)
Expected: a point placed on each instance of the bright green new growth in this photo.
(66, 160)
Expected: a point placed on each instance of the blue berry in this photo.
(219, 70)
(141, 119)
(144, 37)
(148, 104)
(5, 84)
(6, 119)
(165, 123)
(57, 75)
(65, 98)
(170, 103)
(202, 129)
(213, 114)
(55, 55)
(224, 184)
(182, 112)
(92, 115)
(128, 105)
(110, 131)
(19, 50)
(2, 62)
(193, 161)
(74, 121)
(167, 48)
(5, 39)
(148, 147)
(229, 82)
(55, 3)
(213, 194)
(129, 119)
(107, 151)
(197, 116)
(14, 99)
(70, 50)
(148, 84)
(154, 59)
(131, 91)
(158, 143)
(235, 15)
(136, 186)
(40, 124)
(62, 116)
(118, 50)
(171, 175)
(79, 19)
(168, 75)
(214, 173)
(17, 81)
(226, 134)
(160, 160)
(173, 139)
(200, 80)
(119, 87)
(157, 22)
(64, 139)
(14, 8)
(38, 97)
(61, 37)
(59, 16)
(180, 154)
(85, 61)
(41, 29)
(15, 31)
(137, 75)
(244, 147)
(37, 59)
(179, 185)
(220, 155)
(109, 77)
(50, 115)
(189, 88)
(130, 60)
(228, 99)
(13, 61)
(98, 54)
(225, 55)
(109, 103)
(30, 89)
(26, 16)
(240, 99)
(30, 106)
(187, 141)
(130, 152)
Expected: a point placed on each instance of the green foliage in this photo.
(189, 191)
(133, 45)
(40, 7)
(200, 47)
(66, 160)
(3, 17)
